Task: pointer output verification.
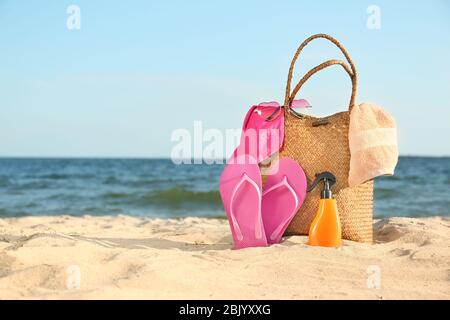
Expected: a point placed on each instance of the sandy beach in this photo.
(140, 258)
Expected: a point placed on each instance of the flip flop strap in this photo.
(258, 225)
(283, 183)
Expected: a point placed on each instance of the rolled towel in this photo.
(373, 143)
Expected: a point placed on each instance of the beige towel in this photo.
(373, 143)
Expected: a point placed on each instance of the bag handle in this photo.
(316, 69)
(353, 74)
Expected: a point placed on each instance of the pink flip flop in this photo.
(240, 189)
(284, 193)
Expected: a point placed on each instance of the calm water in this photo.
(421, 187)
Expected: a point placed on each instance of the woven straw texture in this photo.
(325, 148)
(321, 144)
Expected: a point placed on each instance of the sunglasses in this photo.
(267, 112)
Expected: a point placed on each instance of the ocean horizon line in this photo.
(159, 158)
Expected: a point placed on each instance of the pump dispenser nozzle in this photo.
(328, 180)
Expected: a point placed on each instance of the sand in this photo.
(137, 258)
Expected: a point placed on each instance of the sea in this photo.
(160, 188)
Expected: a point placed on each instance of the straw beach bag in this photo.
(321, 144)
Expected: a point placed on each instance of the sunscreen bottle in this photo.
(325, 230)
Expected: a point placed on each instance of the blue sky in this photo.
(137, 70)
